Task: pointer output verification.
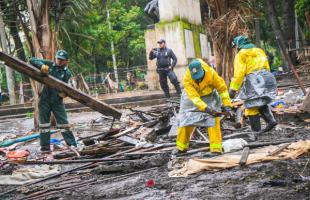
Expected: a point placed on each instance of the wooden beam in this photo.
(52, 82)
(244, 156)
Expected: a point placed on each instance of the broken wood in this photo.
(52, 82)
(277, 151)
(125, 132)
(239, 117)
(262, 144)
(244, 156)
(79, 185)
(47, 178)
(96, 151)
(57, 162)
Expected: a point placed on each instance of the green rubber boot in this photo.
(69, 138)
(45, 138)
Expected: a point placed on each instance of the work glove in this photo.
(212, 112)
(232, 93)
(228, 111)
(44, 69)
(62, 95)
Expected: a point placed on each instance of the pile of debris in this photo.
(142, 140)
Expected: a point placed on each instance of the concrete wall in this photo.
(150, 43)
(174, 10)
(184, 47)
(180, 26)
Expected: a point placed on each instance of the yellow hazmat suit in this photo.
(246, 62)
(194, 92)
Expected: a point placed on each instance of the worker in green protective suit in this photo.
(51, 100)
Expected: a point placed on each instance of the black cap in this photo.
(161, 41)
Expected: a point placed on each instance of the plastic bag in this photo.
(234, 144)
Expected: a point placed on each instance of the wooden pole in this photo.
(9, 72)
(52, 82)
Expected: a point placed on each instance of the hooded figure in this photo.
(204, 94)
(256, 84)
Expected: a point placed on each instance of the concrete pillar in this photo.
(180, 25)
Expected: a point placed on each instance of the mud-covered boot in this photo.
(268, 117)
(177, 152)
(69, 138)
(255, 123)
(45, 137)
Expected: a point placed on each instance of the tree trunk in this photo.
(257, 32)
(277, 31)
(307, 15)
(289, 26)
(276, 27)
(113, 51)
(14, 32)
(42, 41)
(26, 33)
(9, 72)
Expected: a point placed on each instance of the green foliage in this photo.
(301, 7)
(29, 114)
(87, 37)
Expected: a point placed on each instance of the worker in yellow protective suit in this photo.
(258, 85)
(204, 94)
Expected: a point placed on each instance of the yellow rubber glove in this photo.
(62, 95)
(44, 69)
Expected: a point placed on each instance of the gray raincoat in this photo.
(189, 115)
(258, 89)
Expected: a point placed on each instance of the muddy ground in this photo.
(272, 180)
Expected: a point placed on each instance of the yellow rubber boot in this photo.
(215, 136)
(183, 138)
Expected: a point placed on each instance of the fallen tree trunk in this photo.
(52, 82)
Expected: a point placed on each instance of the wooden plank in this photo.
(244, 156)
(279, 150)
(52, 82)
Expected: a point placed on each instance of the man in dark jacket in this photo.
(164, 56)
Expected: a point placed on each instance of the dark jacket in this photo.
(164, 57)
(63, 74)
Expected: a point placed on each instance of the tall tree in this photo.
(9, 72)
(289, 26)
(281, 41)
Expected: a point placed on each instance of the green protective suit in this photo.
(50, 101)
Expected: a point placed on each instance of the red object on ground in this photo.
(17, 154)
(150, 183)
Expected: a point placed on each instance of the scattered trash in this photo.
(278, 104)
(29, 174)
(21, 139)
(18, 155)
(234, 144)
